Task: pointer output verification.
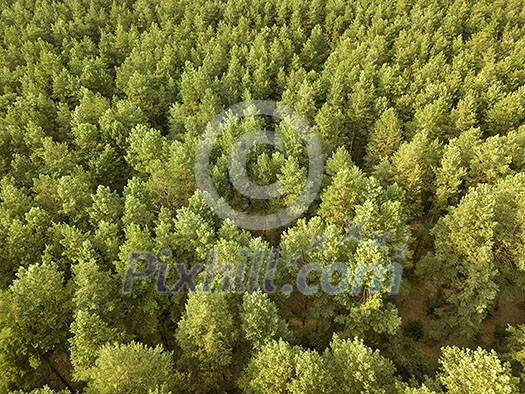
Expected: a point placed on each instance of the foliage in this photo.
(419, 106)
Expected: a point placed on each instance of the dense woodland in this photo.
(420, 106)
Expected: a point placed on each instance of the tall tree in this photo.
(36, 311)
(133, 368)
(207, 335)
(468, 371)
(463, 262)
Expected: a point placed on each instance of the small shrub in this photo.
(414, 329)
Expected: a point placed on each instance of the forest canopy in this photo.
(419, 110)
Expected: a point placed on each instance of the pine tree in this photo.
(463, 263)
(260, 320)
(384, 139)
(207, 336)
(468, 371)
(35, 314)
(133, 368)
(450, 176)
(347, 359)
(412, 168)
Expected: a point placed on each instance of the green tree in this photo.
(412, 167)
(271, 370)
(355, 367)
(96, 310)
(260, 320)
(468, 371)
(35, 315)
(463, 261)
(450, 176)
(384, 139)
(207, 335)
(133, 368)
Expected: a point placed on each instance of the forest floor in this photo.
(415, 303)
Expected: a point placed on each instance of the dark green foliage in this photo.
(414, 329)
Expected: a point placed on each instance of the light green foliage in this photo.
(449, 177)
(131, 368)
(193, 234)
(345, 189)
(43, 390)
(293, 181)
(96, 306)
(346, 367)
(385, 138)
(260, 320)
(90, 333)
(412, 167)
(39, 307)
(419, 106)
(510, 230)
(271, 370)
(464, 262)
(357, 368)
(207, 334)
(34, 315)
(281, 368)
(468, 371)
(517, 343)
